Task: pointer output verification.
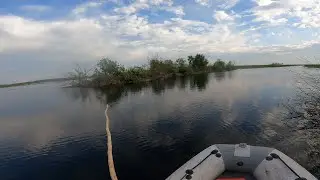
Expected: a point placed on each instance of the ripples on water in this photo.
(49, 132)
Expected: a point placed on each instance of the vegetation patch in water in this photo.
(110, 73)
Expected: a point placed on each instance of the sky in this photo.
(47, 38)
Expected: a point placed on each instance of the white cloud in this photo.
(16, 31)
(203, 2)
(222, 16)
(37, 8)
(278, 12)
(178, 10)
(222, 4)
(165, 5)
(112, 36)
(126, 38)
(264, 2)
(63, 39)
(284, 48)
(132, 8)
(147, 4)
(161, 2)
(82, 8)
(228, 4)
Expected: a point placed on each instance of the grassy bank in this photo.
(110, 73)
(33, 82)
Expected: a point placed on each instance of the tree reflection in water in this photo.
(114, 94)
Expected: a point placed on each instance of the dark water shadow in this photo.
(114, 94)
(159, 86)
(199, 81)
(110, 95)
(82, 94)
(182, 82)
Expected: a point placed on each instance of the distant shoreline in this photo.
(265, 66)
(312, 65)
(236, 67)
(33, 82)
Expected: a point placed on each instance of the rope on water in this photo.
(112, 170)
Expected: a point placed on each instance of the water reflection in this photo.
(163, 123)
(182, 82)
(220, 76)
(111, 95)
(199, 81)
(104, 95)
(78, 93)
(230, 74)
(158, 87)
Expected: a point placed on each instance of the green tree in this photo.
(161, 67)
(182, 66)
(107, 72)
(106, 67)
(155, 65)
(199, 62)
(134, 75)
(219, 65)
(181, 62)
(169, 66)
(230, 66)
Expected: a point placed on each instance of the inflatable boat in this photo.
(241, 162)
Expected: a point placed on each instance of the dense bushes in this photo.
(199, 62)
(161, 67)
(134, 74)
(182, 66)
(220, 65)
(79, 76)
(108, 72)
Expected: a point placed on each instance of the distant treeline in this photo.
(312, 65)
(265, 66)
(108, 72)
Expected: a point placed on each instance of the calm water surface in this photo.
(49, 132)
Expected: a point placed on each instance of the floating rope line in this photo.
(112, 170)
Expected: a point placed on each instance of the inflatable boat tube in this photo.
(241, 162)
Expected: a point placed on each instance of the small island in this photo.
(110, 73)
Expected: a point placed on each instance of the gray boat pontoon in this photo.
(241, 162)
